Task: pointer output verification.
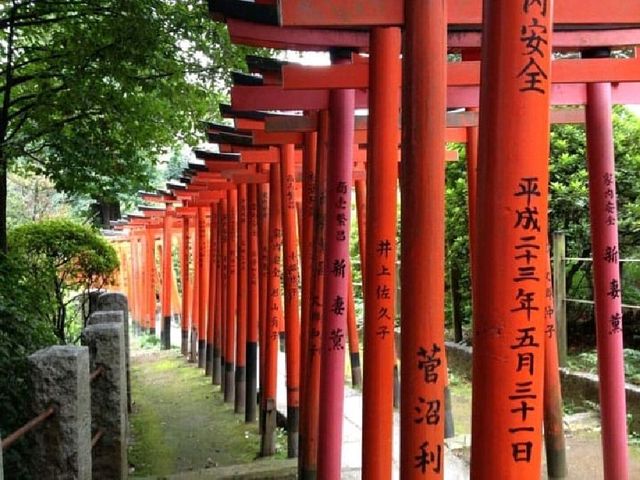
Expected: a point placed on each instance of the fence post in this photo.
(60, 376)
(108, 399)
(560, 294)
(112, 301)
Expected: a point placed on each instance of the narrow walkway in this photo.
(180, 422)
(455, 467)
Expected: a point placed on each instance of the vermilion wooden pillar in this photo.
(253, 313)
(472, 183)
(607, 286)
(310, 405)
(380, 288)
(306, 253)
(274, 300)
(553, 426)
(291, 304)
(193, 357)
(135, 280)
(509, 323)
(212, 306)
(334, 332)
(185, 255)
(202, 286)
(167, 278)
(232, 295)
(423, 188)
(242, 288)
(361, 211)
(265, 304)
(352, 331)
(306, 243)
(195, 287)
(218, 365)
(152, 283)
(224, 284)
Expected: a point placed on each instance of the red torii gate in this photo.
(358, 12)
(422, 183)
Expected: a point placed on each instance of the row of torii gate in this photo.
(271, 208)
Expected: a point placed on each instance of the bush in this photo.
(49, 266)
(64, 260)
(21, 333)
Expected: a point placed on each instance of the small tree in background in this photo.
(64, 260)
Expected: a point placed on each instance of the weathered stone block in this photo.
(60, 376)
(117, 315)
(108, 399)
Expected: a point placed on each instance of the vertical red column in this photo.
(553, 425)
(306, 253)
(310, 406)
(607, 287)
(291, 304)
(263, 245)
(202, 286)
(185, 255)
(275, 312)
(423, 187)
(334, 331)
(232, 294)
(212, 306)
(242, 287)
(135, 279)
(361, 211)
(224, 284)
(218, 319)
(380, 289)
(152, 282)
(167, 278)
(306, 242)
(195, 286)
(354, 340)
(509, 323)
(253, 312)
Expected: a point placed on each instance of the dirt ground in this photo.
(582, 433)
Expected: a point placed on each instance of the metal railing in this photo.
(44, 416)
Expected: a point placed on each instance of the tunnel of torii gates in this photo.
(268, 214)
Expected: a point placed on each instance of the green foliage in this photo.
(33, 198)
(568, 208)
(63, 260)
(21, 333)
(91, 91)
(148, 341)
(456, 231)
(588, 362)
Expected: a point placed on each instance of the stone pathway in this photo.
(455, 467)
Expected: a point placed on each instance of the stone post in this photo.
(113, 309)
(108, 398)
(60, 376)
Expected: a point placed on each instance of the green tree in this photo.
(92, 90)
(568, 203)
(64, 260)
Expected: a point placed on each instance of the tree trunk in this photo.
(3, 202)
(104, 212)
(456, 301)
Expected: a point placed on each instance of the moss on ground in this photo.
(180, 422)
